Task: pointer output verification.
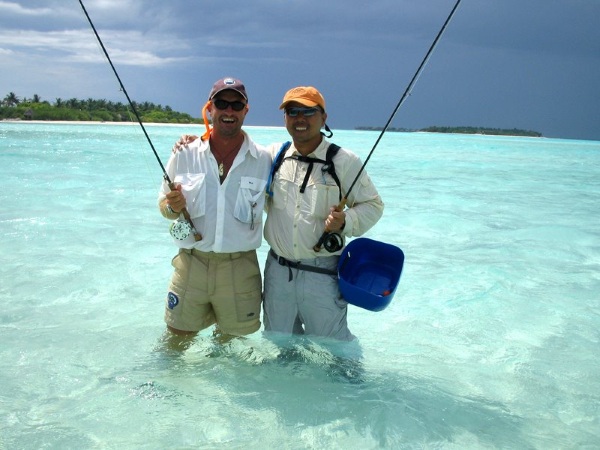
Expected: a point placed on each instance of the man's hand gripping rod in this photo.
(184, 211)
(340, 207)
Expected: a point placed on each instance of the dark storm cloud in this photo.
(528, 64)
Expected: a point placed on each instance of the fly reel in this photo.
(180, 229)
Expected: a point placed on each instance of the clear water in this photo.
(492, 340)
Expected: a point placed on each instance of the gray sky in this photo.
(530, 64)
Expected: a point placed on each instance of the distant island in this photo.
(15, 108)
(462, 130)
(12, 107)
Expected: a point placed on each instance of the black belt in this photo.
(298, 265)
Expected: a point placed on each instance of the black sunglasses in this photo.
(306, 112)
(224, 104)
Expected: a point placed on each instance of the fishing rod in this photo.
(325, 237)
(179, 229)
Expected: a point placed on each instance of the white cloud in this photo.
(124, 47)
(17, 9)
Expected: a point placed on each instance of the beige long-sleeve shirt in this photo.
(296, 221)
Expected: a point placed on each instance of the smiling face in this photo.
(228, 122)
(305, 130)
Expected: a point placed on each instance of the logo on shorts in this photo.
(172, 300)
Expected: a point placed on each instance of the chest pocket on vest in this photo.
(193, 187)
(324, 196)
(283, 183)
(250, 200)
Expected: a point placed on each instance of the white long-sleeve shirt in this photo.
(296, 221)
(228, 215)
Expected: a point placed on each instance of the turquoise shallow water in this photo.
(492, 340)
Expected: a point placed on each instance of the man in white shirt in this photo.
(220, 181)
(301, 292)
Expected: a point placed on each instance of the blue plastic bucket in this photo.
(369, 272)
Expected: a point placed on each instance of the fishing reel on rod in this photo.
(332, 242)
(180, 229)
(183, 227)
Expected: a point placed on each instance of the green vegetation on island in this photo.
(462, 130)
(12, 107)
(481, 130)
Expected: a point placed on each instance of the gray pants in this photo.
(312, 299)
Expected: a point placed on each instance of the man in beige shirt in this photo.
(301, 292)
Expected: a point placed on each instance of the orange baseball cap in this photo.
(305, 95)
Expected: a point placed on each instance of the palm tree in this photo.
(11, 99)
(73, 103)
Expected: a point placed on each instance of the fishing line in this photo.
(327, 237)
(179, 229)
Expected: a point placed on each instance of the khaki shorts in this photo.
(208, 288)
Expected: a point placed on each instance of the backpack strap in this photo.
(328, 166)
(276, 165)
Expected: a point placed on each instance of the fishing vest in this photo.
(327, 163)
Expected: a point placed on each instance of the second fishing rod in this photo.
(180, 229)
(332, 241)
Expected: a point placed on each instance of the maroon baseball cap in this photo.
(228, 83)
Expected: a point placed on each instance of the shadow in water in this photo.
(312, 383)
